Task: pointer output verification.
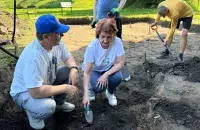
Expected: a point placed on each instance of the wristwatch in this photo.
(74, 67)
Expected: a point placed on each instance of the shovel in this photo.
(155, 29)
(88, 114)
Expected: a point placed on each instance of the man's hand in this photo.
(103, 81)
(71, 90)
(153, 24)
(115, 10)
(166, 42)
(73, 77)
(93, 23)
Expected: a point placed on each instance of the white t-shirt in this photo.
(35, 68)
(103, 59)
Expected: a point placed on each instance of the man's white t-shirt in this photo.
(103, 59)
(35, 66)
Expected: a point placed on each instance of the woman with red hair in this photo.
(103, 60)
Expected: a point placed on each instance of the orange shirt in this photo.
(177, 9)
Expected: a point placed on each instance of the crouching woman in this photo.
(103, 60)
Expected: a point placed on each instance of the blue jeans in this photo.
(114, 81)
(44, 107)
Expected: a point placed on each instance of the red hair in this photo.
(107, 25)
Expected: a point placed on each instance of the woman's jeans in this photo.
(114, 81)
(44, 107)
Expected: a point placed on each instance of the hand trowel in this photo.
(88, 114)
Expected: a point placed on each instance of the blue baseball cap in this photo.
(49, 24)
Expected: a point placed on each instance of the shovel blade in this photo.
(89, 116)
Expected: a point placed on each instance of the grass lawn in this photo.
(83, 9)
(87, 13)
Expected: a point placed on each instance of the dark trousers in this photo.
(119, 27)
(62, 77)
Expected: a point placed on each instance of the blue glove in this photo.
(114, 10)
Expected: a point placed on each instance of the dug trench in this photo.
(153, 99)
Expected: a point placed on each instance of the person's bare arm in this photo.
(86, 76)
(73, 75)
(117, 66)
(86, 81)
(70, 62)
(50, 90)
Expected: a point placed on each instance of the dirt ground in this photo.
(159, 96)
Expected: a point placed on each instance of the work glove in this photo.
(115, 10)
(93, 23)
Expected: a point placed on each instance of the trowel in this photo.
(88, 114)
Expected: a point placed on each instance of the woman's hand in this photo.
(86, 99)
(103, 81)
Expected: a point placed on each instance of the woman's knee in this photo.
(116, 77)
(97, 89)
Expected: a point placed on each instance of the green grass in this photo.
(87, 13)
(83, 8)
(87, 4)
(82, 12)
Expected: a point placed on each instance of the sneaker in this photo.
(111, 98)
(163, 55)
(179, 61)
(66, 107)
(91, 95)
(35, 123)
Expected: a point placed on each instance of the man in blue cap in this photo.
(38, 86)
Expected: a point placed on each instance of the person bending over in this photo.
(177, 11)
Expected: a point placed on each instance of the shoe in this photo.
(91, 95)
(179, 61)
(111, 98)
(66, 107)
(163, 55)
(35, 123)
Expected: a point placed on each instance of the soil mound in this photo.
(190, 70)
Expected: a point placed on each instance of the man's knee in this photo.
(47, 109)
(184, 33)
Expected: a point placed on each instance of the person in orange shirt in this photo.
(177, 11)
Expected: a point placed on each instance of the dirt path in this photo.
(160, 96)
